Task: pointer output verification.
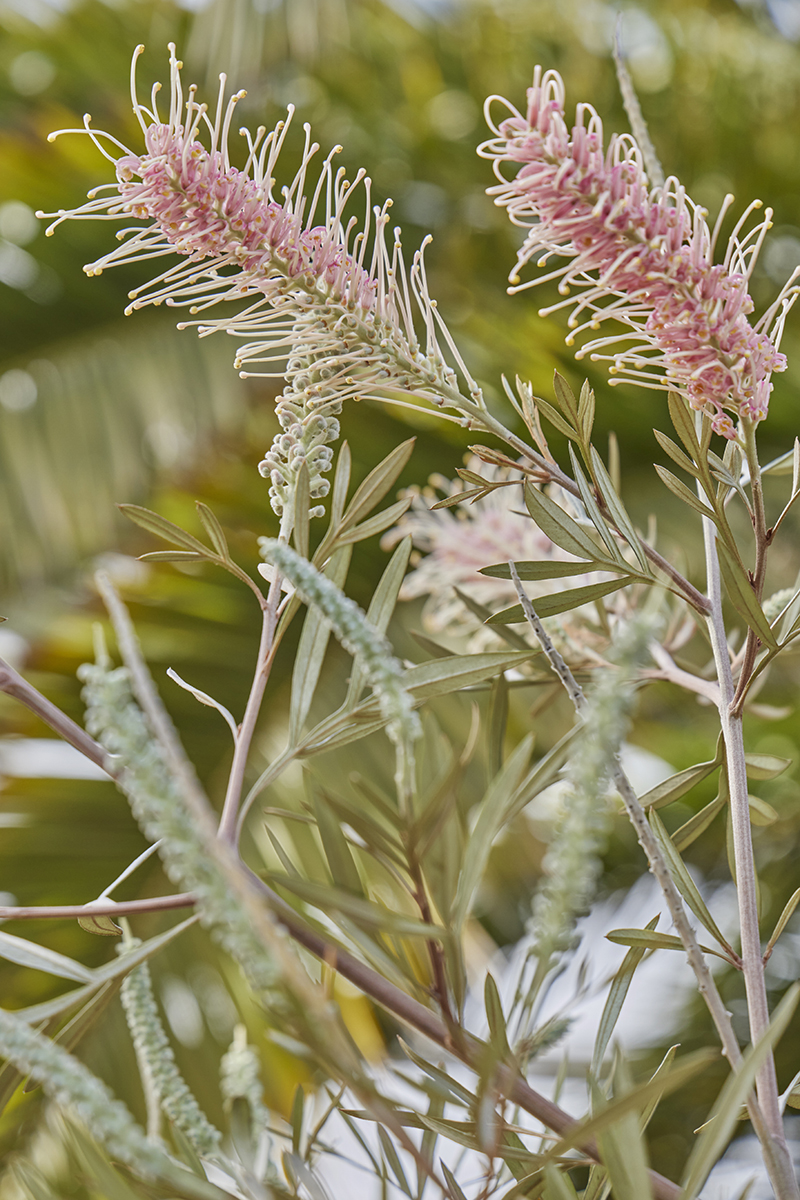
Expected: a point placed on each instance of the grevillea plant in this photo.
(536, 576)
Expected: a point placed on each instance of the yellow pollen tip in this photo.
(51, 137)
(514, 279)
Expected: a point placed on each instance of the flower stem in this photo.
(776, 1155)
(244, 737)
(782, 1178)
(762, 544)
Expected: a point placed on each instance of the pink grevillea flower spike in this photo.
(642, 258)
(318, 300)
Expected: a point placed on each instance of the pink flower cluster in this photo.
(642, 258)
(207, 209)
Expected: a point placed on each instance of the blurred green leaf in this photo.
(677, 785)
(697, 824)
(683, 880)
(216, 534)
(783, 920)
(40, 958)
(623, 1149)
(724, 1115)
(615, 1000)
(492, 814)
(166, 530)
(765, 766)
(111, 970)
(337, 851)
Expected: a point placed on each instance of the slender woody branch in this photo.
(384, 993)
(775, 1155)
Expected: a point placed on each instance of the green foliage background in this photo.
(132, 411)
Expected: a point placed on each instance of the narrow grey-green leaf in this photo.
(340, 858)
(442, 675)
(375, 524)
(302, 511)
(616, 998)
(725, 1114)
(483, 614)
(456, 1092)
(691, 829)
(549, 568)
(363, 912)
(742, 596)
(684, 424)
(683, 880)
(376, 485)
(676, 454)
(99, 975)
(173, 556)
(161, 527)
(341, 482)
(452, 1183)
(654, 941)
(491, 816)
(593, 509)
(558, 525)
(683, 492)
(555, 418)
(677, 785)
(214, 530)
(783, 920)
(616, 508)
(765, 766)
(461, 498)
(40, 958)
(498, 1038)
(559, 602)
(393, 1159)
(635, 1100)
(586, 409)
(312, 647)
(661, 1072)
(644, 939)
(566, 399)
